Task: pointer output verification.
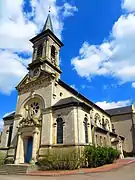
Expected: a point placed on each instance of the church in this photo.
(51, 114)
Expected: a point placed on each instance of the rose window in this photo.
(34, 108)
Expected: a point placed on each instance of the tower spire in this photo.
(48, 23)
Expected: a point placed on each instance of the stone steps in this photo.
(16, 169)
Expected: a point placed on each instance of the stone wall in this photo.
(5, 133)
(124, 126)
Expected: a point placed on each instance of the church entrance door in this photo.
(29, 150)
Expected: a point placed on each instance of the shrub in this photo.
(9, 160)
(57, 160)
(98, 156)
(2, 158)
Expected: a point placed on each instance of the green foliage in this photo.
(98, 156)
(60, 160)
(2, 158)
(9, 161)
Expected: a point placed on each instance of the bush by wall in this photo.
(9, 160)
(2, 158)
(60, 160)
(98, 156)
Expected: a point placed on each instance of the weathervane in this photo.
(49, 9)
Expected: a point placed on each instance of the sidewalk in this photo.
(119, 163)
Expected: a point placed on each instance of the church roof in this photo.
(9, 116)
(69, 102)
(83, 98)
(48, 24)
(47, 31)
(120, 111)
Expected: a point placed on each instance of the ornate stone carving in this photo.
(34, 84)
(32, 118)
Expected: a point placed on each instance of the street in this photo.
(124, 173)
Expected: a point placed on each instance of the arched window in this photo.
(59, 131)
(53, 52)
(97, 120)
(86, 129)
(107, 124)
(96, 140)
(39, 51)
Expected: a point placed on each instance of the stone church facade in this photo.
(51, 114)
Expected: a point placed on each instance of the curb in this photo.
(62, 173)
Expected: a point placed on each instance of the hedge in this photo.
(98, 156)
(60, 160)
(69, 160)
(2, 158)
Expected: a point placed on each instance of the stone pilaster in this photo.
(35, 144)
(89, 134)
(47, 127)
(35, 54)
(108, 139)
(93, 135)
(20, 150)
(44, 49)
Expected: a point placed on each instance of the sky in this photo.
(98, 52)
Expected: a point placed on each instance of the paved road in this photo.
(124, 173)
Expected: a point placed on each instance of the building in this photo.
(49, 113)
(123, 120)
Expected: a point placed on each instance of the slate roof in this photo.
(68, 100)
(77, 94)
(48, 24)
(119, 111)
(9, 116)
(65, 102)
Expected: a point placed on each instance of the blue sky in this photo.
(99, 51)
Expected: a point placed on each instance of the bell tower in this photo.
(46, 50)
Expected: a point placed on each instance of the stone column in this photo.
(18, 151)
(35, 145)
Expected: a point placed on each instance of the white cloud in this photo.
(133, 84)
(128, 5)
(74, 87)
(110, 105)
(11, 70)
(17, 27)
(69, 9)
(114, 57)
(1, 125)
